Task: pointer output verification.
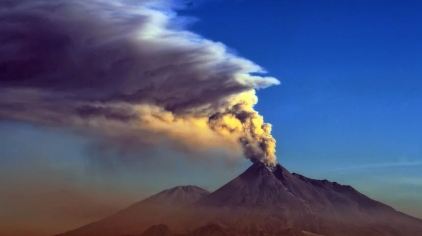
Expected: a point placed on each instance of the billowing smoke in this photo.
(129, 71)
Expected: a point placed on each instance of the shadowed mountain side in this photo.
(217, 230)
(261, 201)
(282, 199)
(158, 230)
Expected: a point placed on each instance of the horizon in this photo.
(105, 103)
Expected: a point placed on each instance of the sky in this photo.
(349, 104)
(347, 110)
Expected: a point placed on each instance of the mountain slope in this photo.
(163, 207)
(261, 201)
(256, 187)
(274, 197)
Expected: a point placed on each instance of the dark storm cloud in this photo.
(70, 62)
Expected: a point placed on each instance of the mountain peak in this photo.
(258, 186)
(180, 194)
(275, 187)
(262, 198)
(257, 169)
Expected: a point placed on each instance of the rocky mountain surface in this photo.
(261, 201)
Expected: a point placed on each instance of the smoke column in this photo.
(130, 72)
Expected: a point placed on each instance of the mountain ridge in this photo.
(264, 200)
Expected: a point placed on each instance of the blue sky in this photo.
(348, 110)
(349, 107)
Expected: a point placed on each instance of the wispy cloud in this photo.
(382, 165)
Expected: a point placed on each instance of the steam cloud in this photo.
(130, 72)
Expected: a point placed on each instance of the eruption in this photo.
(242, 121)
(130, 72)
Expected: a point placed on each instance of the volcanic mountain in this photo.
(261, 201)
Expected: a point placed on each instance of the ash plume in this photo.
(130, 72)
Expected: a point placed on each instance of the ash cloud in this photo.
(126, 70)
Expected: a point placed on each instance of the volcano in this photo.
(261, 201)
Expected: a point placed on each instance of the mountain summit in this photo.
(261, 201)
(275, 187)
(258, 186)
